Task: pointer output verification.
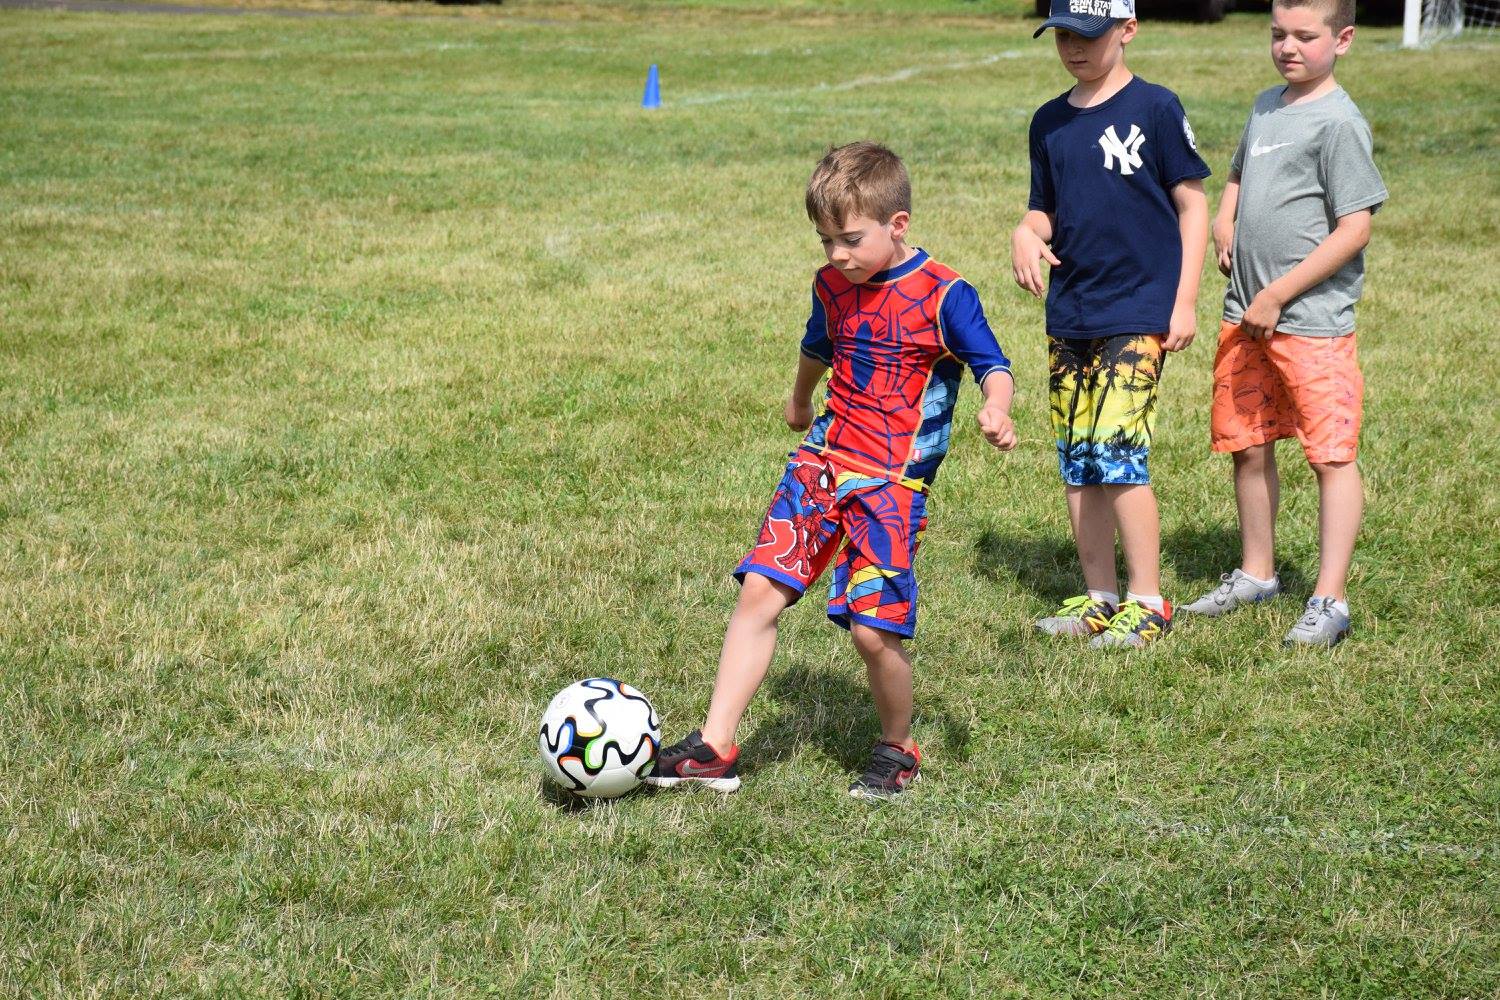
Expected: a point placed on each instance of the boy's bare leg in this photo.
(1094, 533)
(749, 643)
(889, 669)
(1136, 518)
(1341, 504)
(1257, 494)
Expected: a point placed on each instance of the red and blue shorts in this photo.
(823, 508)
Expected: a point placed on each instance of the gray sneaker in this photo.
(1081, 615)
(1321, 624)
(1235, 590)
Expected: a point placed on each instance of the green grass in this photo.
(364, 381)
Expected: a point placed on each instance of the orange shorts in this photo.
(1310, 387)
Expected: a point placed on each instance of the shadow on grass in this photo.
(563, 800)
(832, 711)
(1043, 564)
(1048, 567)
(1200, 554)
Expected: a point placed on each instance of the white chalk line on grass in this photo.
(855, 84)
(902, 75)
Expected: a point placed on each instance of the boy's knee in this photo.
(1255, 456)
(868, 639)
(765, 595)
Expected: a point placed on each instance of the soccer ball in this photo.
(599, 737)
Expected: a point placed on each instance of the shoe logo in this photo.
(1127, 153)
(692, 768)
(1256, 149)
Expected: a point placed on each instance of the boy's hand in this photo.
(1027, 250)
(799, 414)
(1259, 321)
(1182, 329)
(1224, 244)
(995, 424)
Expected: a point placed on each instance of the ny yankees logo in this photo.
(1128, 153)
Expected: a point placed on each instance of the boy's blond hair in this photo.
(862, 178)
(1337, 14)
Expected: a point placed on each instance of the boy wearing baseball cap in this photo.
(1117, 209)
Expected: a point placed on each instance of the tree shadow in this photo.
(832, 712)
(1045, 565)
(1200, 554)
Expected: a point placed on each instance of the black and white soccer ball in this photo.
(599, 737)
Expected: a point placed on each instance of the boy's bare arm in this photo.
(1349, 237)
(994, 416)
(1224, 223)
(1029, 246)
(799, 413)
(1192, 224)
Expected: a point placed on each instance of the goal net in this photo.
(1429, 21)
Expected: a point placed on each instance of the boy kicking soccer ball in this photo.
(896, 328)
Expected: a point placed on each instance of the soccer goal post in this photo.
(1429, 21)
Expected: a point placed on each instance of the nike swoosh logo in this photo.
(692, 768)
(1256, 149)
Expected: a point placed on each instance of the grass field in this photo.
(365, 380)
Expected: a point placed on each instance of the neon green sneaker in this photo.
(1081, 616)
(1134, 626)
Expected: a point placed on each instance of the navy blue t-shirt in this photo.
(1105, 174)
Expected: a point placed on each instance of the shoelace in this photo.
(1074, 604)
(1224, 589)
(883, 767)
(1129, 617)
(1316, 611)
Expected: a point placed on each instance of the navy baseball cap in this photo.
(1089, 18)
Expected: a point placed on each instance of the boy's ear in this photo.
(1344, 39)
(898, 224)
(1129, 31)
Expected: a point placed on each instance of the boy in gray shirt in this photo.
(1290, 234)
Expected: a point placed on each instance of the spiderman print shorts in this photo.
(1102, 393)
(1287, 385)
(868, 527)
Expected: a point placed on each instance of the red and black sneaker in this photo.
(890, 770)
(694, 762)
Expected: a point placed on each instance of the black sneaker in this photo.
(890, 770)
(694, 762)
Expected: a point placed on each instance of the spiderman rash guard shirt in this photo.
(896, 345)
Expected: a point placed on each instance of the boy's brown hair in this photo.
(1337, 14)
(862, 178)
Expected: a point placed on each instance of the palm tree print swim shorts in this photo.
(1103, 396)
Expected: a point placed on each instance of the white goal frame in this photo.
(1442, 19)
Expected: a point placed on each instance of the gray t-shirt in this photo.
(1301, 167)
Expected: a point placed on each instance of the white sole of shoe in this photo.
(725, 785)
(1340, 637)
(1220, 610)
(868, 796)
